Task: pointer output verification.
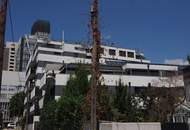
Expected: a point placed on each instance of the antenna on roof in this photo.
(63, 36)
(63, 39)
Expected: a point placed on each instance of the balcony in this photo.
(42, 81)
(32, 108)
(33, 93)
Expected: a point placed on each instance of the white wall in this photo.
(130, 126)
(112, 80)
(13, 78)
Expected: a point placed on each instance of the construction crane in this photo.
(3, 14)
(96, 35)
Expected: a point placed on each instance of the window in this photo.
(111, 52)
(122, 53)
(140, 57)
(88, 50)
(101, 50)
(80, 48)
(130, 54)
(57, 53)
(12, 49)
(12, 60)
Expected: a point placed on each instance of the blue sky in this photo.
(159, 28)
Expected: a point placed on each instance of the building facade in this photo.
(12, 83)
(5, 59)
(40, 31)
(52, 62)
(9, 59)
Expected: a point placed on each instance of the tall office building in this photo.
(9, 59)
(5, 58)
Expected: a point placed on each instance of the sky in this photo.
(158, 28)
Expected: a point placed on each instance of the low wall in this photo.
(130, 126)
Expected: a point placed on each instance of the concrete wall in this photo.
(130, 126)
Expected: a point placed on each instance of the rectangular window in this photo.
(122, 53)
(12, 60)
(101, 50)
(112, 52)
(80, 48)
(130, 54)
(12, 49)
(57, 53)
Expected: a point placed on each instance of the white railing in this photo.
(33, 93)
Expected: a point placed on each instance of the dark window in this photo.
(57, 53)
(12, 56)
(80, 48)
(139, 72)
(101, 50)
(12, 49)
(12, 53)
(91, 50)
(11, 63)
(12, 60)
(122, 53)
(88, 50)
(140, 57)
(130, 54)
(111, 52)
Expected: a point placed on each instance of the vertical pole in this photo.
(3, 14)
(95, 61)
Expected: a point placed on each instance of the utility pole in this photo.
(3, 14)
(95, 61)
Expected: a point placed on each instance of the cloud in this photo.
(176, 62)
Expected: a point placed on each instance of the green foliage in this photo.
(78, 83)
(70, 113)
(48, 118)
(125, 106)
(17, 105)
(104, 103)
(67, 113)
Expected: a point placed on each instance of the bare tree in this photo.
(164, 96)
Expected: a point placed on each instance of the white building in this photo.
(52, 62)
(12, 83)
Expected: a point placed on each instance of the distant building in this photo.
(40, 30)
(6, 59)
(9, 59)
(12, 83)
(25, 48)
